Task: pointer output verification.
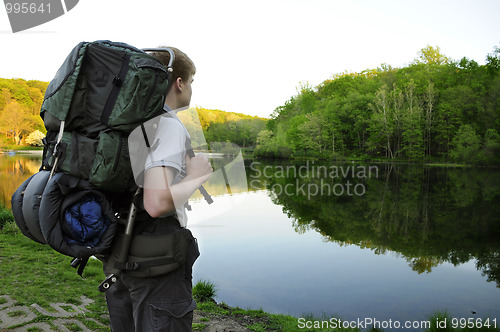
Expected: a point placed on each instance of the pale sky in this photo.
(252, 55)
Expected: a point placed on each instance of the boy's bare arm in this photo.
(161, 197)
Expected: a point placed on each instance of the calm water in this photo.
(380, 241)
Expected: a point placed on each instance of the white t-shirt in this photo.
(169, 150)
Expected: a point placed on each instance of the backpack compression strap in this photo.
(115, 90)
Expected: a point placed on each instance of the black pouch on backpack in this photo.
(154, 252)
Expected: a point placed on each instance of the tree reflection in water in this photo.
(428, 215)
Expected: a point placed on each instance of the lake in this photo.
(380, 241)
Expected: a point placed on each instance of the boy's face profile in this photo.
(182, 92)
(187, 91)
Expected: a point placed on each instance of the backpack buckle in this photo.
(117, 81)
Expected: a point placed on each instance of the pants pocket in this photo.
(192, 253)
(173, 316)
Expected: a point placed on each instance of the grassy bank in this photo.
(15, 147)
(33, 273)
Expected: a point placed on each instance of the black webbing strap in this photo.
(136, 266)
(80, 264)
(67, 183)
(146, 140)
(113, 95)
(203, 191)
(158, 262)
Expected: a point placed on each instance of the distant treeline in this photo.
(237, 128)
(21, 100)
(20, 103)
(434, 109)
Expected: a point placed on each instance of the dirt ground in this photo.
(218, 323)
(227, 323)
(12, 314)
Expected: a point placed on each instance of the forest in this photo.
(435, 109)
(20, 122)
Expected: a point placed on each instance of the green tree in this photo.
(413, 133)
(447, 119)
(346, 122)
(493, 61)
(5, 98)
(16, 121)
(21, 97)
(491, 148)
(307, 99)
(268, 145)
(429, 97)
(381, 124)
(466, 145)
(432, 55)
(310, 133)
(293, 132)
(264, 143)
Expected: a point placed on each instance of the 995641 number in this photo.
(473, 323)
(27, 8)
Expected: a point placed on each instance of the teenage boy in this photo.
(164, 302)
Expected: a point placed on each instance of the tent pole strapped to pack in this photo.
(56, 152)
(125, 245)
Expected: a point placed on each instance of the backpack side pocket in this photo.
(111, 169)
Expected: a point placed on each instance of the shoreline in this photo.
(14, 152)
(251, 156)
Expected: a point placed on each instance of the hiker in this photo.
(164, 302)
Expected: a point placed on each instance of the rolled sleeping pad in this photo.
(31, 203)
(25, 204)
(17, 208)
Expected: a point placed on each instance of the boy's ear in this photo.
(178, 83)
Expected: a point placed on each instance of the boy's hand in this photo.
(198, 168)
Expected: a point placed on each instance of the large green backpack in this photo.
(100, 94)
